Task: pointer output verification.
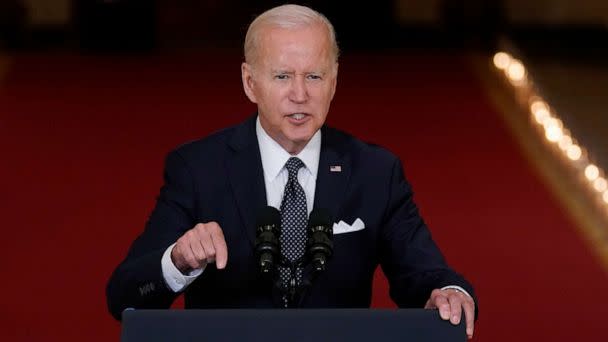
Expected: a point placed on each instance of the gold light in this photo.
(592, 172)
(600, 184)
(541, 114)
(516, 71)
(553, 128)
(564, 142)
(549, 122)
(574, 152)
(502, 60)
(553, 133)
(538, 105)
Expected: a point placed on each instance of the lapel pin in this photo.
(335, 168)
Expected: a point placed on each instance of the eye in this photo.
(313, 77)
(281, 77)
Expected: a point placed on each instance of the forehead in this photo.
(307, 46)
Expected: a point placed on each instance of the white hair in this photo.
(286, 16)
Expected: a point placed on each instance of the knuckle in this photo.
(454, 298)
(454, 294)
(190, 235)
(197, 228)
(182, 240)
(215, 227)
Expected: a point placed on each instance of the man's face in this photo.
(293, 82)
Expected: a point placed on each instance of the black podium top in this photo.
(289, 325)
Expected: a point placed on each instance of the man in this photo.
(200, 237)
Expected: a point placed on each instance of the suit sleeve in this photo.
(410, 258)
(138, 281)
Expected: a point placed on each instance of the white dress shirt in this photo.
(274, 158)
(276, 175)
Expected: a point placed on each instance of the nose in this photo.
(299, 92)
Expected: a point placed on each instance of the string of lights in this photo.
(552, 128)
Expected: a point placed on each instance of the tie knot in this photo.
(293, 165)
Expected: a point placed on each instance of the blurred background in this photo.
(496, 108)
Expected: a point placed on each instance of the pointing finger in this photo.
(469, 313)
(221, 250)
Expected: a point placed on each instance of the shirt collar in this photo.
(274, 156)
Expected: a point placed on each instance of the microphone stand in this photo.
(306, 285)
(292, 291)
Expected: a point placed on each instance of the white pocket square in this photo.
(342, 227)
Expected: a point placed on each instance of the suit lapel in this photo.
(246, 175)
(333, 174)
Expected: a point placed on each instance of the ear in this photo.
(248, 82)
(334, 81)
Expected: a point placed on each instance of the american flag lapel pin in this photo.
(335, 168)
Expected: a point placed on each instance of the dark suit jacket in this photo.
(220, 179)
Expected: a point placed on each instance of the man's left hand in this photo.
(450, 303)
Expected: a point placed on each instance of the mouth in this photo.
(298, 117)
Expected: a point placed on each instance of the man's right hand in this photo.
(199, 246)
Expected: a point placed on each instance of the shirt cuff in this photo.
(176, 280)
(457, 288)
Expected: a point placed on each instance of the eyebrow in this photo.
(280, 71)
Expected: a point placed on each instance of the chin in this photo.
(298, 139)
(301, 135)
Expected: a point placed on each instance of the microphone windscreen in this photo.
(268, 216)
(319, 217)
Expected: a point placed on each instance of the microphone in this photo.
(267, 246)
(319, 245)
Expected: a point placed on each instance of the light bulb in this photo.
(600, 184)
(564, 142)
(574, 152)
(502, 60)
(592, 172)
(553, 133)
(516, 71)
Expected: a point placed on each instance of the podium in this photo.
(269, 325)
